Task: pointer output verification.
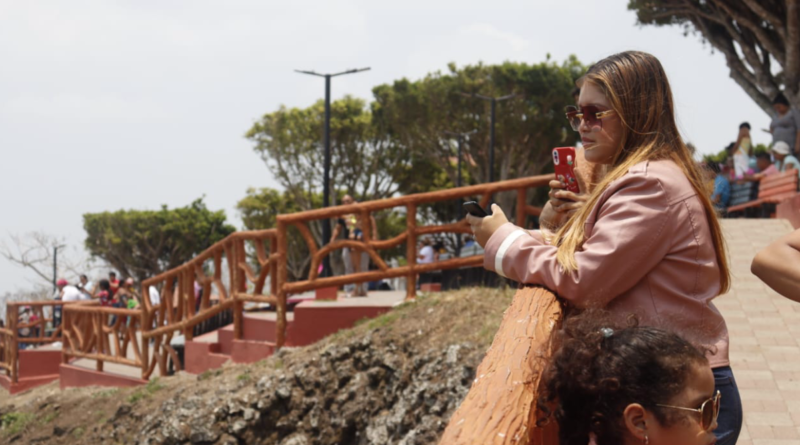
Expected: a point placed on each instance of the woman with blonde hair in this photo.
(647, 241)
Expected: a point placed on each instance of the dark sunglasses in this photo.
(709, 411)
(591, 115)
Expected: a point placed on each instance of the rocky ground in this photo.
(395, 379)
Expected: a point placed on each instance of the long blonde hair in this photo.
(636, 85)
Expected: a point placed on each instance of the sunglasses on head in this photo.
(591, 115)
(709, 411)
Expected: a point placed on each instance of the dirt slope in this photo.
(391, 380)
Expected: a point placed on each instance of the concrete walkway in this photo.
(765, 339)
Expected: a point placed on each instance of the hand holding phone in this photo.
(564, 163)
(474, 209)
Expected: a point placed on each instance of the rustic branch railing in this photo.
(142, 337)
(103, 334)
(42, 330)
(175, 310)
(409, 236)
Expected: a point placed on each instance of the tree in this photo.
(364, 161)
(259, 210)
(144, 243)
(752, 34)
(35, 251)
(416, 113)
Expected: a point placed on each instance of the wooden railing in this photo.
(501, 407)
(103, 334)
(369, 246)
(43, 329)
(145, 340)
(222, 271)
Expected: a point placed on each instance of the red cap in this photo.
(62, 282)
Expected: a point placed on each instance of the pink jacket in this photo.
(648, 251)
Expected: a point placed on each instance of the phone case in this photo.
(564, 163)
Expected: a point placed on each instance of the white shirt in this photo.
(155, 297)
(71, 293)
(427, 255)
(86, 293)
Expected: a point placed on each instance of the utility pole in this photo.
(460, 209)
(494, 101)
(326, 191)
(55, 265)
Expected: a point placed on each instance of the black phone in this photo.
(474, 209)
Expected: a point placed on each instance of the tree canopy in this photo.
(754, 36)
(528, 126)
(144, 243)
(397, 143)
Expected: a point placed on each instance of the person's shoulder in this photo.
(659, 177)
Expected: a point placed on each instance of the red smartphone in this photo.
(564, 162)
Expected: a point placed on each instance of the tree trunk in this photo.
(501, 406)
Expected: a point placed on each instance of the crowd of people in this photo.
(743, 165)
(110, 292)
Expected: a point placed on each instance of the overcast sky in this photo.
(133, 104)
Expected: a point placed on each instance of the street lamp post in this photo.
(55, 265)
(460, 209)
(326, 224)
(494, 101)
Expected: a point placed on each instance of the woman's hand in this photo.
(484, 228)
(565, 201)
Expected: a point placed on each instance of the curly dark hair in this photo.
(595, 374)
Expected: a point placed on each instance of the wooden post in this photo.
(12, 317)
(147, 324)
(187, 280)
(283, 277)
(521, 203)
(99, 319)
(239, 282)
(411, 250)
(501, 406)
(273, 267)
(66, 328)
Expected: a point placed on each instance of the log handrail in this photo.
(10, 337)
(151, 327)
(501, 407)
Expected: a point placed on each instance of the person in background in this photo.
(86, 287)
(68, 291)
(198, 295)
(468, 241)
(113, 282)
(440, 252)
(126, 293)
(427, 254)
(104, 293)
(785, 126)
(783, 158)
(628, 385)
(742, 150)
(778, 265)
(765, 168)
(24, 318)
(352, 227)
(721, 196)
